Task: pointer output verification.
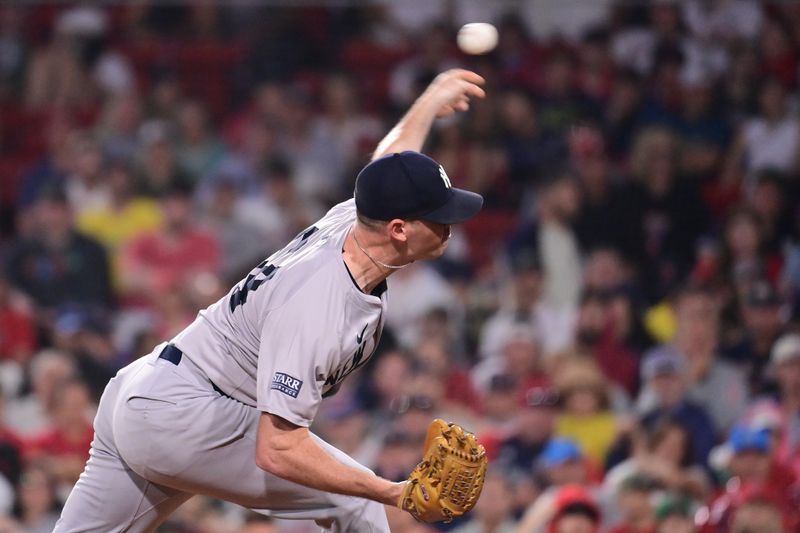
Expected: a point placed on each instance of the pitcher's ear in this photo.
(398, 229)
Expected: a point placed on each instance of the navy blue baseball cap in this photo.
(411, 185)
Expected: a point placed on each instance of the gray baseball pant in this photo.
(163, 434)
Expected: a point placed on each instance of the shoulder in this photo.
(311, 279)
(342, 211)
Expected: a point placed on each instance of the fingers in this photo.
(468, 82)
(474, 90)
(466, 75)
(462, 105)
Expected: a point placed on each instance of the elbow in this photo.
(266, 461)
(269, 460)
(276, 447)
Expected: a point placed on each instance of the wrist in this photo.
(390, 492)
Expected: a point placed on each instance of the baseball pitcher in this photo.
(223, 409)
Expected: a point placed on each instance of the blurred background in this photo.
(619, 325)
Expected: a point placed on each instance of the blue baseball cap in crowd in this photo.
(559, 451)
(410, 185)
(744, 438)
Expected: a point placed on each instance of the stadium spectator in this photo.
(701, 127)
(622, 115)
(560, 104)
(417, 290)
(117, 131)
(675, 514)
(602, 219)
(158, 163)
(127, 216)
(198, 151)
(768, 141)
(392, 370)
(398, 456)
(570, 509)
(499, 401)
(354, 131)
(38, 500)
(634, 500)
(668, 214)
(531, 429)
(553, 239)
(586, 415)
(63, 447)
(165, 260)
(666, 373)
(562, 463)
(770, 199)
(435, 356)
(28, 414)
(17, 326)
(664, 455)
(242, 244)
(276, 207)
(53, 165)
(530, 152)
(319, 167)
(57, 266)
(520, 357)
(602, 321)
(524, 306)
(763, 322)
(493, 513)
(755, 474)
(779, 413)
(85, 187)
(715, 385)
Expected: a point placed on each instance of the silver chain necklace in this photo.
(378, 263)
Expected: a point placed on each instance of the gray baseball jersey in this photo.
(288, 334)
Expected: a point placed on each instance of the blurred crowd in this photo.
(620, 325)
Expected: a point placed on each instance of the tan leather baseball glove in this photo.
(448, 481)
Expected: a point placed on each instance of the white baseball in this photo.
(477, 38)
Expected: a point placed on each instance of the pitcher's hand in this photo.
(450, 91)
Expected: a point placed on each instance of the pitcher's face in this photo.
(427, 240)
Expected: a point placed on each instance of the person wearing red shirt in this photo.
(64, 446)
(17, 328)
(168, 259)
(755, 473)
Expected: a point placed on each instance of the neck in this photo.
(366, 263)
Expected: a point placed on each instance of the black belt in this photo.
(173, 354)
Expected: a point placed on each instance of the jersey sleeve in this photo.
(295, 356)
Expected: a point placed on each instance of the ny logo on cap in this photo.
(445, 179)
